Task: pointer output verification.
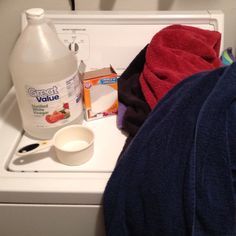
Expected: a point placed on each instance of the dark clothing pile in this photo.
(177, 176)
(173, 54)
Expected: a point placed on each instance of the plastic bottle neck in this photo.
(36, 21)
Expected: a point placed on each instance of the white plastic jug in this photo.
(45, 77)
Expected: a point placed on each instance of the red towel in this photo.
(175, 53)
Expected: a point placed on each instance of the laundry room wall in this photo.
(10, 19)
(227, 6)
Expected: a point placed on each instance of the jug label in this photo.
(55, 104)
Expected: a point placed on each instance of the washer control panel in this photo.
(76, 39)
(100, 39)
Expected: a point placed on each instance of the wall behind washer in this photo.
(10, 11)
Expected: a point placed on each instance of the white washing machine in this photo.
(40, 196)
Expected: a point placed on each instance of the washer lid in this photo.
(105, 38)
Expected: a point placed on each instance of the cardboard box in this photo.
(100, 93)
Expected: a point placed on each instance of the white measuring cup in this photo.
(73, 144)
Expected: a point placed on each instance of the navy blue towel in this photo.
(177, 176)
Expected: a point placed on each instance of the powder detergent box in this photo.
(100, 93)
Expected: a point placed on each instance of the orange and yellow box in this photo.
(100, 93)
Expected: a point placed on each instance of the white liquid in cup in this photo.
(74, 145)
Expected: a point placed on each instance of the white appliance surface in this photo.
(98, 39)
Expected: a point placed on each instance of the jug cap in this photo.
(35, 13)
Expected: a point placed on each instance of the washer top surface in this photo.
(108, 144)
(99, 39)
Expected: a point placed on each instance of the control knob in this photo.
(74, 47)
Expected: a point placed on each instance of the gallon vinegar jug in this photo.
(44, 74)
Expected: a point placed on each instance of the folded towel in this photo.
(177, 177)
(175, 53)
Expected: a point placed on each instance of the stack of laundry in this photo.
(173, 54)
(177, 174)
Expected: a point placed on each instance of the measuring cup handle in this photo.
(34, 148)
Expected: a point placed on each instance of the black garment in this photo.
(130, 94)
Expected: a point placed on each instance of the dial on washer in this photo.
(74, 47)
